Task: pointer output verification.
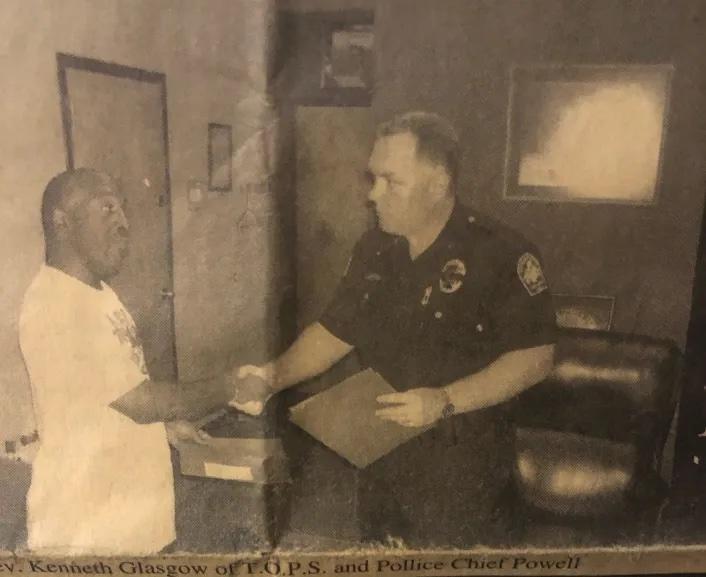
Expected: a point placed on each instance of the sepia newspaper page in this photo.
(313, 287)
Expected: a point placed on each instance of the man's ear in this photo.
(60, 221)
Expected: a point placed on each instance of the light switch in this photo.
(196, 194)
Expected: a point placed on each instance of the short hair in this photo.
(437, 140)
(59, 190)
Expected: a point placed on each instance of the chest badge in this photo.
(452, 276)
(530, 272)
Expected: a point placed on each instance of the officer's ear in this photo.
(440, 182)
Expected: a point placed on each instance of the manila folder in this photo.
(343, 418)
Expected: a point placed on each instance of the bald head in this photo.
(83, 221)
(70, 189)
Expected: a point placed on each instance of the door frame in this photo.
(689, 443)
(69, 61)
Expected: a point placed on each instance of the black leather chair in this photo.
(590, 439)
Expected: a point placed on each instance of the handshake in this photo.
(418, 407)
(253, 388)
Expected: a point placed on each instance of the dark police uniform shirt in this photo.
(477, 292)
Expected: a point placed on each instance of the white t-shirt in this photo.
(101, 484)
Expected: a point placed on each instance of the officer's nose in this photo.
(377, 190)
(123, 224)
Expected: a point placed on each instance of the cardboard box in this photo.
(260, 461)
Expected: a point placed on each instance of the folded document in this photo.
(343, 418)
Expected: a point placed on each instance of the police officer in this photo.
(454, 312)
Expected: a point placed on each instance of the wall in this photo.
(455, 60)
(327, 188)
(324, 5)
(215, 63)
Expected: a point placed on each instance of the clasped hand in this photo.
(413, 408)
(253, 388)
(185, 431)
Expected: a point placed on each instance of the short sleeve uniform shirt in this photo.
(478, 291)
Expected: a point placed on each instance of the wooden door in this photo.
(333, 146)
(115, 120)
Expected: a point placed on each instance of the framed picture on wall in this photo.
(329, 59)
(584, 133)
(220, 152)
(584, 311)
(347, 58)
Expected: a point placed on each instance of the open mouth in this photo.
(120, 235)
(121, 245)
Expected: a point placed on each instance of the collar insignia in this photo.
(348, 266)
(427, 296)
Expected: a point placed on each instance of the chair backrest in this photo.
(607, 385)
(597, 423)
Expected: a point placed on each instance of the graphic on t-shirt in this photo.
(124, 328)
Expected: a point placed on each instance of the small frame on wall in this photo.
(220, 152)
(584, 311)
(581, 133)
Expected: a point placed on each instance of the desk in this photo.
(220, 516)
(14, 483)
(317, 510)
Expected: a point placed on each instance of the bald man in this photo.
(102, 483)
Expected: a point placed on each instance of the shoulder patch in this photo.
(530, 272)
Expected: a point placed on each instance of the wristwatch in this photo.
(449, 408)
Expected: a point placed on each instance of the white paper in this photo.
(231, 472)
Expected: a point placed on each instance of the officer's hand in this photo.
(253, 388)
(184, 431)
(415, 408)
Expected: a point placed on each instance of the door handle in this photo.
(166, 294)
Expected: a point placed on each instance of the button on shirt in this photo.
(101, 484)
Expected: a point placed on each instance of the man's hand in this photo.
(184, 431)
(414, 408)
(253, 388)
